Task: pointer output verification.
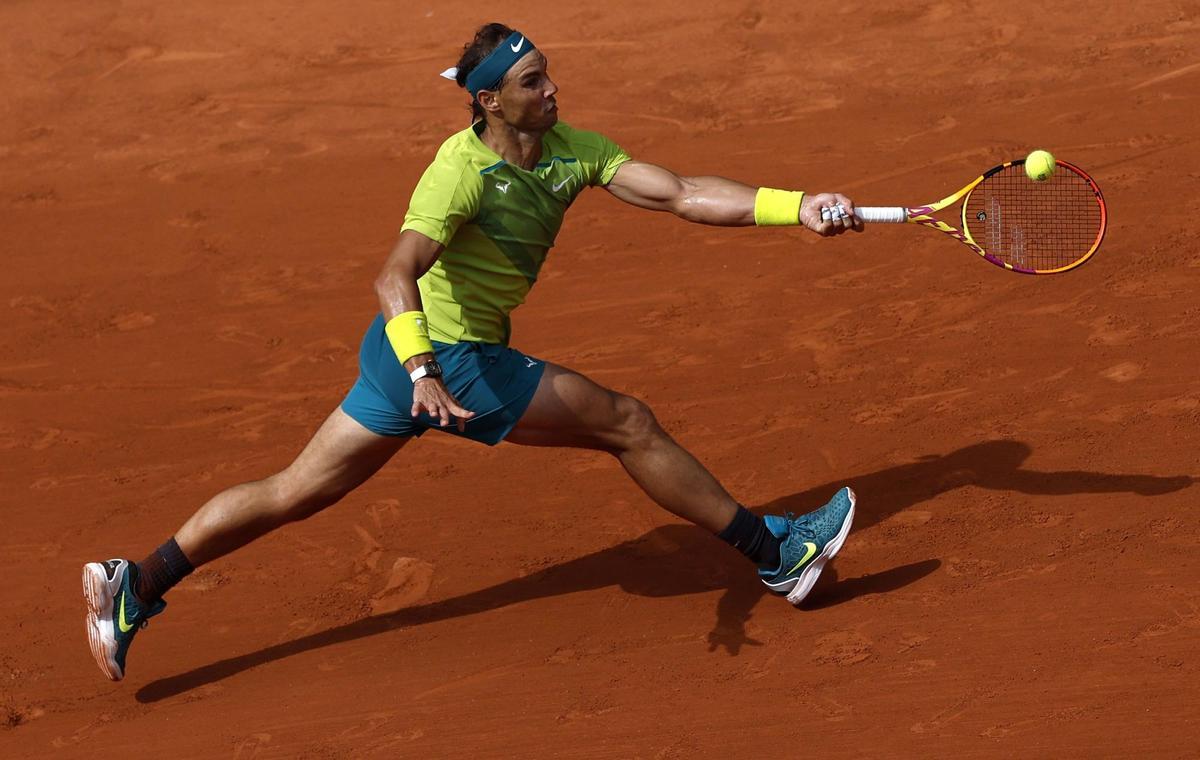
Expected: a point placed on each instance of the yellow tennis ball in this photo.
(1039, 166)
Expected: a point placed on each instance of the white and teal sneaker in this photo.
(808, 542)
(115, 614)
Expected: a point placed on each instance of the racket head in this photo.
(1035, 227)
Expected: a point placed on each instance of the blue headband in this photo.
(487, 75)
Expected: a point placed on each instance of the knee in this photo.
(636, 425)
(293, 498)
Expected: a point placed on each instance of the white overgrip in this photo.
(881, 214)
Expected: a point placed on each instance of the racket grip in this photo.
(882, 214)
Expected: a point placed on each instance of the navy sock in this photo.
(159, 572)
(748, 534)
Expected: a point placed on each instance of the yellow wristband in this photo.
(777, 207)
(409, 335)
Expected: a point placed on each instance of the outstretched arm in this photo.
(716, 200)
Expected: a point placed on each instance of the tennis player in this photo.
(481, 221)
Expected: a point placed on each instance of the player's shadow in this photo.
(674, 560)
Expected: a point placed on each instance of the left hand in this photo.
(810, 214)
(431, 396)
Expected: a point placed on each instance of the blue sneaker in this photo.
(115, 614)
(808, 542)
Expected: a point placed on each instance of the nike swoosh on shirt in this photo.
(517, 47)
(811, 550)
(560, 185)
(125, 627)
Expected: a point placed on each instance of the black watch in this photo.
(429, 369)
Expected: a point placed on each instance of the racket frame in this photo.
(924, 216)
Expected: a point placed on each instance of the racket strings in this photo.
(1035, 226)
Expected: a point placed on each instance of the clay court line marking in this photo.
(191, 55)
(151, 53)
(935, 394)
(1143, 154)
(973, 153)
(576, 45)
(311, 103)
(471, 679)
(633, 115)
(1168, 76)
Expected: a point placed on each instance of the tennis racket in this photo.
(1014, 222)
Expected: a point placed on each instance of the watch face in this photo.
(433, 369)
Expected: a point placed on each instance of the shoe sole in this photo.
(808, 578)
(101, 639)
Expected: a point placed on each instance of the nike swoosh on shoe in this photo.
(126, 627)
(811, 551)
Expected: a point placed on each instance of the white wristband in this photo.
(419, 373)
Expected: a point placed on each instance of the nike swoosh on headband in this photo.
(517, 47)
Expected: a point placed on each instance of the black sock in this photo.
(748, 534)
(157, 573)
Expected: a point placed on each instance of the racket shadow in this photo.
(993, 465)
(676, 560)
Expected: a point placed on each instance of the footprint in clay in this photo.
(407, 584)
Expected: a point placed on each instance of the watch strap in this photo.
(426, 370)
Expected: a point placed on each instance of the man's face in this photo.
(526, 95)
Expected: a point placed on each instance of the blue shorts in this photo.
(494, 381)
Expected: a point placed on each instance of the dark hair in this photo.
(487, 39)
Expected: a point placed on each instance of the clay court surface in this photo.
(196, 198)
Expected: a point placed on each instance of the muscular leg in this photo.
(340, 457)
(568, 409)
